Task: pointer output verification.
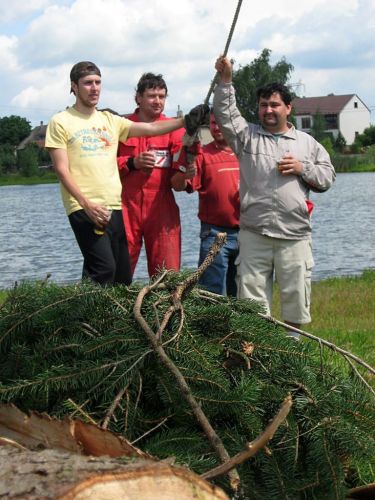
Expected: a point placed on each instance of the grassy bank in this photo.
(46, 177)
(49, 177)
(356, 169)
(343, 313)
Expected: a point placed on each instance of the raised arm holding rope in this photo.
(279, 165)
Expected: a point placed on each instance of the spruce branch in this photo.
(335, 479)
(182, 290)
(116, 352)
(48, 306)
(359, 375)
(322, 342)
(150, 430)
(113, 407)
(255, 445)
(345, 354)
(154, 339)
(158, 348)
(72, 375)
(78, 409)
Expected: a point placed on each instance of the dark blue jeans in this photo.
(220, 276)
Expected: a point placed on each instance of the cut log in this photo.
(36, 431)
(77, 460)
(57, 475)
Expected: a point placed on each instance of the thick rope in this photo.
(213, 83)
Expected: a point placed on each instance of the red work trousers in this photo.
(153, 217)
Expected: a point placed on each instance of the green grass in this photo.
(344, 164)
(342, 311)
(358, 168)
(47, 177)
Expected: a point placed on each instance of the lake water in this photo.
(36, 237)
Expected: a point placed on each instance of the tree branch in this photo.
(154, 339)
(253, 447)
(113, 407)
(321, 341)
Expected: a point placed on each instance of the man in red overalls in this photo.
(149, 207)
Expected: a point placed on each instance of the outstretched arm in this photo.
(160, 127)
(197, 116)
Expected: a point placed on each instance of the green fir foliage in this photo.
(71, 350)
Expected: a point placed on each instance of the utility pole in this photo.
(298, 87)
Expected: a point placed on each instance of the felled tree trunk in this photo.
(78, 460)
(53, 474)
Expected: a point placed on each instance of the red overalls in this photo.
(148, 204)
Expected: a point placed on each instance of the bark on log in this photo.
(58, 475)
(37, 431)
(83, 461)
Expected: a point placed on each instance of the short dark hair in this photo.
(150, 81)
(82, 69)
(267, 90)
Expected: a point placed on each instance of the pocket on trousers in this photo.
(308, 272)
(206, 232)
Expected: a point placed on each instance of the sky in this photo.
(331, 45)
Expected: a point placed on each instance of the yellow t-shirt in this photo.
(91, 143)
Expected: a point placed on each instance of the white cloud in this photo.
(330, 47)
(8, 46)
(16, 9)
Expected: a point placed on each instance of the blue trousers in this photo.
(220, 276)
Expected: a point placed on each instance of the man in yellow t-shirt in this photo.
(83, 142)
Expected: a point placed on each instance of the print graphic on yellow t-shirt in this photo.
(92, 139)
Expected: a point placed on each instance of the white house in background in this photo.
(343, 113)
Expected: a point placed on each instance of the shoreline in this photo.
(49, 177)
(352, 276)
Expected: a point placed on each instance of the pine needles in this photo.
(80, 351)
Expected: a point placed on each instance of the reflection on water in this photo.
(36, 237)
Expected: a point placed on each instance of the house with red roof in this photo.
(347, 114)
